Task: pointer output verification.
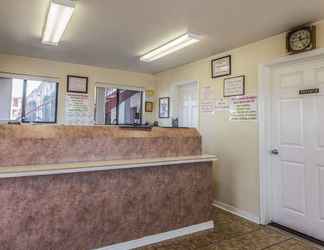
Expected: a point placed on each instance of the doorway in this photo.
(292, 143)
(188, 113)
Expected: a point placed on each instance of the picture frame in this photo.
(221, 67)
(149, 107)
(234, 86)
(77, 84)
(164, 107)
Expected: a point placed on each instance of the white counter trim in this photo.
(66, 168)
(156, 238)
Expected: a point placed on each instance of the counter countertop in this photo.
(64, 168)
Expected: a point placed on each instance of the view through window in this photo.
(33, 101)
(118, 106)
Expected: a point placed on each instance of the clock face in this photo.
(300, 40)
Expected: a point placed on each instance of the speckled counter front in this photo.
(76, 211)
(42, 144)
(91, 210)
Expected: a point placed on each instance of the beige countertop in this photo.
(64, 168)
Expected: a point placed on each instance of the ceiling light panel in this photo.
(170, 47)
(58, 17)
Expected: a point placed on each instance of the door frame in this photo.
(176, 86)
(264, 127)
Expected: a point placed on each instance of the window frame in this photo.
(23, 105)
(118, 88)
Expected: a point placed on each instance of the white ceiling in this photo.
(114, 33)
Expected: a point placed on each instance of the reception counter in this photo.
(42, 144)
(125, 189)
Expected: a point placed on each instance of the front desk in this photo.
(101, 187)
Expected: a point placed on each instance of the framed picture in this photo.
(234, 86)
(164, 107)
(148, 106)
(77, 84)
(221, 66)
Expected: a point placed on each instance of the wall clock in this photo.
(301, 39)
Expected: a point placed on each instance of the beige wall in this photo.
(39, 67)
(236, 175)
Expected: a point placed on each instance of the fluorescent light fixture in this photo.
(58, 17)
(170, 47)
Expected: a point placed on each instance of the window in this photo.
(29, 100)
(118, 106)
(40, 100)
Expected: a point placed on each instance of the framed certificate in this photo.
(77, 84)
(234, 86)
(164, 107)
(221, 66)
(148, 106)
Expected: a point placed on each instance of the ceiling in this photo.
(115, 33)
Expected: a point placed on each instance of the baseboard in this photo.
(238, 212)
(156, 238)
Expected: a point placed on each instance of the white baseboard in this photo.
(238, 212)
(156, 238)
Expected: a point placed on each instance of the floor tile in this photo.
(263, 238)
(256, 240)
(293, 245)
(234, 233)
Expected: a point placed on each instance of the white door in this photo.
(188, 105)
(298, 135)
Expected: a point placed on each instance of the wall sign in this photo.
(221, 66)
(234, 86)
(207, 107)
(309, 91)
(243, 108)
(77, 109)
(149, 95)
(221, 105)
(208, 99)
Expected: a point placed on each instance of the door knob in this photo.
(274, 151)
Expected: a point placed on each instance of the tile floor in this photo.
(234, 233)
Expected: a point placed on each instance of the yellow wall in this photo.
(236, 175)
(39, 67)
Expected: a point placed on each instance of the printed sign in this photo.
(309, 91)
(77, 109)
(207, 107)
(243, 108)
(221, 105)
(149, 95)
(207, 97)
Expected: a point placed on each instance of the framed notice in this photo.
(164, 107)
(148, 106)
(221, 66)
(77, 84)
(234, 86)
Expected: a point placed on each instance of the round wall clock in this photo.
(301, 39)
